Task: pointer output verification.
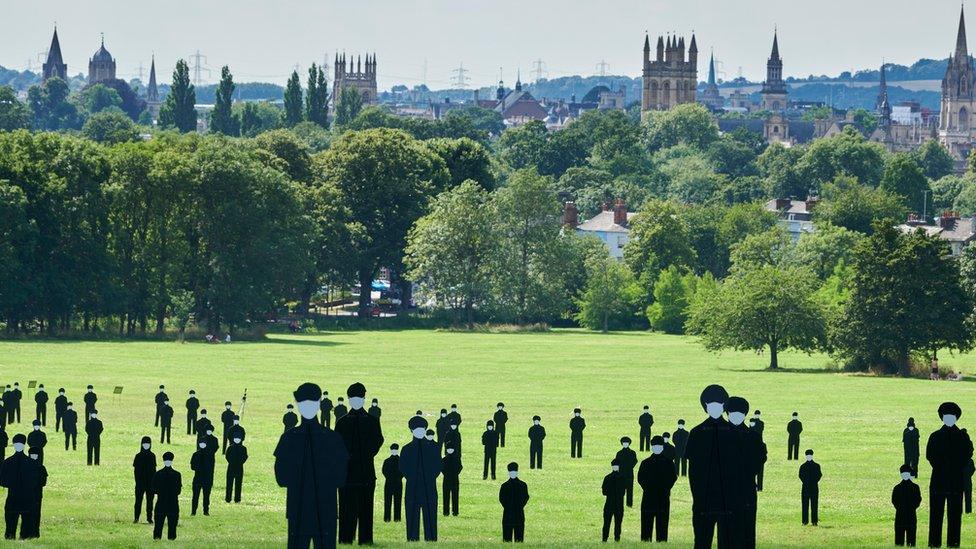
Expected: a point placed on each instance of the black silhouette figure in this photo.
(37, 440)
(451, 483)
(192, 405)
(909, 439)
(710, 447)
(35, 517)
(576, 426)
(203, 424)
(670, 452)
(17, 397)
(20, 475)
(60, 405)
(453, 436)
(537, 433)
(793, 430)
(680, 438)
(90, 399)
(69, 424)
(340, 409)
(627, 460)
(236, 456)
(363, 438)
(489, 439)
(763, 450)
(948, 451)
(420, 464)
(143, 469)
(392, 485)
(810, 476)
(236, 429)
(756, 423)
(290, 419)
(441, 426)
(375, 410)
(167, 484)
(644, 422)
(748, 457)
(501, 419)
(4, 440)
(967, 499)
(202, 462)
(226, 421)
(40, 402)
(311, 463)
(94, 440)
(160, 399)
(513, 495)
(8, 404)
(656, 477)
(430, 435)
(325, 407)
(613, 505)
(455, 417)
(3, 410)
(165, 416)
(906, 498)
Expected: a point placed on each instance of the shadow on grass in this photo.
(768, 370)
(310, 341)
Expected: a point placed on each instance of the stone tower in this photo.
(55, 67)
(671, 78)
(958, 98)
(711, 97)
(774, 88)
(152, 92)
(883, 107)
(354, 76)
(101, 66)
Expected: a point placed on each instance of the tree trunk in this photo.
(365, 289)
(904, 365)
(469, 310)
(606, 321)
(160, 319)
(306, 299)
(773, 358)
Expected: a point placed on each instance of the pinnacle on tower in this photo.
(647, 43)
(775, 52)
(693, 48)
(152, 91)
(711, 70)
(961, 48)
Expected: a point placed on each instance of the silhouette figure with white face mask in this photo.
(680, 438)
(710, 476)
(909, 439)
(489, 439)
(20, 475)
(165, 416)
(35, 517)
(167, 484)
(37, 440)
(60, 405)
(906, 498)
(793, 430)
(537, 433)
(40, 405)
(202, 463)
(576, 426)
(451, 483)
(627, 459)
(644, 422)
(70, 426)
(290, 419)
(513, 495)
(392, 486)
(948, 451)
(749, 457)
(613, 504)
(311, 462)
(94, 431)
(810, 475)
(236, 457)
(143, 469)
(501, 419)
(161, 398)
(420, 464)
(192, 405)
(656, 477)
(363, 438)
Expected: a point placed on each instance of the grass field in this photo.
(853, 422)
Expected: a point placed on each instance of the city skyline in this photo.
(502, 38)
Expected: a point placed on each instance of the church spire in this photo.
(884, 107)
(518, 80)
(55, 67)
(711, 70)
(775, 52)
(152, 91)
(961, 48)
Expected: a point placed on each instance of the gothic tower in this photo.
(671, 78)
(55, 67)
(774, 88)
(355, 76)
(883, 106)
(101, 66)
(711, 97)
(956, 131)
(152, 92)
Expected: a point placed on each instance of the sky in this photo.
(424, 41)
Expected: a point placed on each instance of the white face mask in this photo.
(61, 393)
(454, 427)
(167, 464)
(577, 414)
(513, 474)
(237, 422)
(18, 447)
(795, 417)
(736, 418)
(626, 444)
(667, 440)
(430, 437)
(911, 427)
(33, 456)
(356, 402)
(906, 476)
(443, 414)
(491, 427)
(308, 408)
(237, 441)
(809, 458)
(227, 406)
(453, 410)
(209, 433)
(681, 426)
(500, 408)
(203, 415)
(375, 405)
(615, 468)
(71, 407)
(646, 411)
(714, 409)
(657, 449)
(90, 390)
(394, 452)
(146, 446)
(450, 451)
(203, 445)
(419, 432)
(752, 424)
(535, 422)
(94, 416)
(949, 420)
(37, 427)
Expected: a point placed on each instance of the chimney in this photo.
(605, 206)
(812, 202)
(571, 215)
(948, 219)
(783, 204)
(620, 213)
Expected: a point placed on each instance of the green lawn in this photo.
(853, 422)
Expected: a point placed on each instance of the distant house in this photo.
(957, 231)
(795, 215)
(612, 225)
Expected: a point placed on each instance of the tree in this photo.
(849, 204)
(290, 154)
(692, 179)
(293, 101)
(732, 157)
(317, 98)
(934, 159)
(659, 238)
(777, 166)
(865, 120)
(610, 296)
(904, 178)
(523, 146)
(466, 159)
(823, 250)
(384, 177)
(221, 118)
(965, 202)
(688, 124)
(765, 307)
(906, 297)
(714, 229)
(182, 310)
(672, 294)
(946, 190)
(50, 108)
(100, 97)
(14, 115)
(178, 111)
(350, 103)
(847, 153)
(110, 127)
(257, 117)
(770, 248)
(449, 249)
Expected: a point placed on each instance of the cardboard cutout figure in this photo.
(90, 399)
(167, 484)
(143, 469)
(420, 464)
(363, 439)
(227, 422)
(40, 408)
(192, 405)
(613, 505)
(710, 475)
(627, 459)
(948, 452)
(202, 463)
(644, 422)
(20, 475)
(161, 397)
(70, 426)
(906, 498)
(290, 419)
(451, 482)
(340, 409)
(576, 426)
(94, 431)
(909, 439)
(501, 419)
(455, 417)
(60, 405)
(392, 485)
(375, 410)
(236, 457)
(164, 415)
(37, 440)
(453, 436)
(489, 439)
(537, 433)
(810, 476)
(793, 430)
(441, 427)
(34, 529)
(18, 395)
(203, 424)
(325, 407)
(680, 438)
(749, 456)
(656, 477)
(513, 495)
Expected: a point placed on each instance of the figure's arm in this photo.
(283, 467)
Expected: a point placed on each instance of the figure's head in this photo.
(430, 434)
(374, 403)
(536, 420)
(394, 449)
(34, 453)
(237, 419)
(19, 442)
(681, 424)
(36, 425)
(625, 442)
(809, 455)
(90, 388)
(614, 464)
(713, 400)
(657, 444)
(227, 405)
(513, 470)
(490, 425)
(307, 396)
(146, 443)
(666, 436)
(950, 412)
(906, 472)
(501, 406)
(357, 395)
(647, 409)
(737, 408)
(443, 412)
(61, 391)
(911, 424)
(168, 459)
(418, 427)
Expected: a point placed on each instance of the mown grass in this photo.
(853, 422)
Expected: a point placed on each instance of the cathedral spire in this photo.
(152, 91)
(518, 80)
(961, 48)
(775, 52)
(55, 66)
(711, 69)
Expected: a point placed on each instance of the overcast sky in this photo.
(262, 40)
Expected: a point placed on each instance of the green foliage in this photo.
(350, 103)
(222, 120)
(316, 137)
(610, 295)
(523, 146)
(14, 115)
(110, 127)
(293, 101)
(50, 108)
(673, 292)
(257, 117)
(822, 112)
(659, 238)
(688, 124)
(100, 97)
(934, 159)
(317, 98)
(291, 154)
(904, 178)
(182, 306)
(714, 229)
(882, 326)
(178, 110)
(865, 120)
(849, 204)
(466, 159)
(692, 179)
(965, 202)
(777, 166)
(770, 248)
(732, 157)
(847, 153)
(826, 248)
(945, 191)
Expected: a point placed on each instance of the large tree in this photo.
(659, 238)
(690, 124)
(350, 104)
(385, 178)
(222, 118)
(849, 204)
(178, 111)
(293, 101)
(847, 153)
(317, 98)
(14, 115)
(904, 178)
(610, 296)
(934, 159)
